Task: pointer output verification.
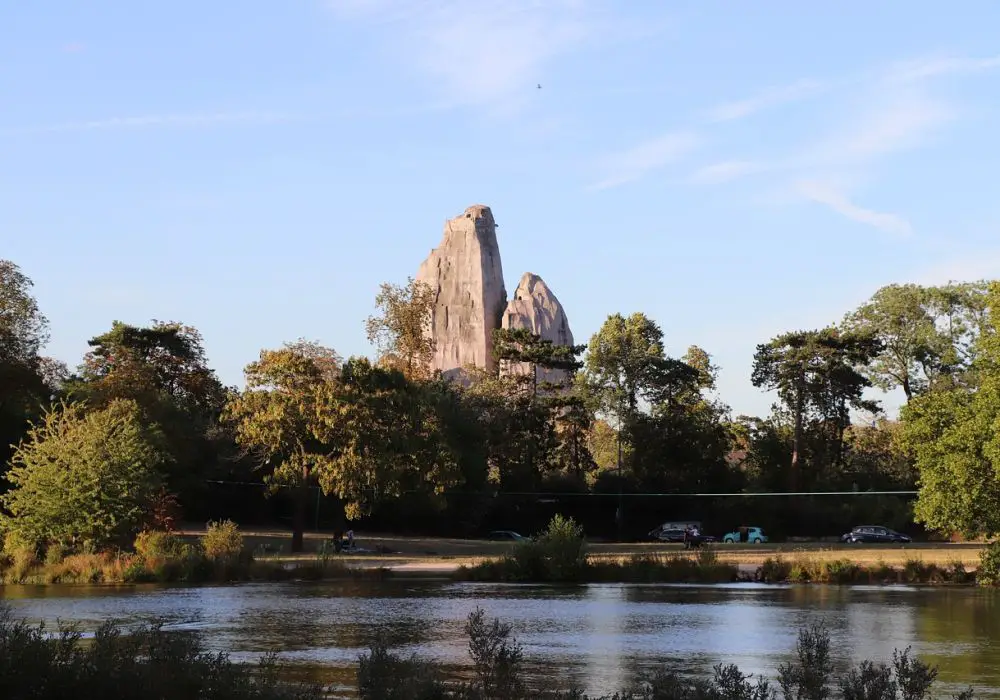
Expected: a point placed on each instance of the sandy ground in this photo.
(434, 556)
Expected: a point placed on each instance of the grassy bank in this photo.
(639, 568)
(846, 571)
(160, 557)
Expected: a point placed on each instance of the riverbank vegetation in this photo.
(162, 557)
(142, 434)
(150, 663)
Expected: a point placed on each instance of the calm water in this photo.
(599, 637)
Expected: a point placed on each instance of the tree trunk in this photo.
(299, 516)
(906, 389)
(793, 476)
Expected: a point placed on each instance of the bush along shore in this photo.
(151, 664)
(557, 555)
(162, 557)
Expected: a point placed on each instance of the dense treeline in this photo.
(142, 433)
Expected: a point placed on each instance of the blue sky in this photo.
(256, 169)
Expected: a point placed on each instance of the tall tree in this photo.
(23, 333)
(815, 374)
(519, 346)
(927, 333)
(622, 364)
(278, 418)
(399, 329)
(164, 369)
(953, 436)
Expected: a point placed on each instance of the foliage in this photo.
(953, 437)
(988, 573)
(163, 368)
(23, 333)
(816, 377)
(400, 328)
(146, 663)
(222, 541)
(84, 477)
(154, 545)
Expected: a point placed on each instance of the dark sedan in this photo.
(874, 534)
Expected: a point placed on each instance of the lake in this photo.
(597, 636)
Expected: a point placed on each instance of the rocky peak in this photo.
(466, 275)
(535, 307)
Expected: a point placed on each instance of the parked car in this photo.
(755, 535)
(670, 535)
(874, 534)
(657, 532)
(506, 536)
(676, 534)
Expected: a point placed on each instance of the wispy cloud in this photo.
(74, 47)
(634, 163)
(899, 121)
(717, 173)
(936, 66)
(485, 52)
(770, 97)
(157, 121)
(836, 200)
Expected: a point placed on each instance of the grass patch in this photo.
(161, 557)
(847, 572)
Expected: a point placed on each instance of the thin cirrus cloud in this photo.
(444, 40)
(635, 163)
(937, 66)
(766, 99)
(718, 173)
(194, 120)
(839, 202)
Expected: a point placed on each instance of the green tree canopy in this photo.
(84, 477)
(23, 333)
(954, 435)
(816, 376)
(399, 330)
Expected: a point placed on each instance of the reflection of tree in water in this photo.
(959, 631)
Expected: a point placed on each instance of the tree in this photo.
(385, 437)
(278, 419)
(164, 369)
(400, 328)
(815, 375)
(927, 333)
(953, 436)
(23, 333)
(23, 328)
(519, 346)
(84, 477)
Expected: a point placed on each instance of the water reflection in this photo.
(598, 637)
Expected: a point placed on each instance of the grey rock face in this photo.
(466, 275)
(535, 308)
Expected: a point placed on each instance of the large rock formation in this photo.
(535, 308)
(467, 277)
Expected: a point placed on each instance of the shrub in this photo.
(223, 541)
(156, 545)
(988, 573)
(774, 570)
(561, 548)
(84, 476)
